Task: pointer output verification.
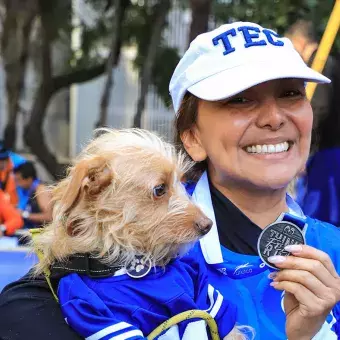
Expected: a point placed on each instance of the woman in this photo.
(243, 117)
(220, 136)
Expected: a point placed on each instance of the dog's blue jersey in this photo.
(258, 304)
(120, 307)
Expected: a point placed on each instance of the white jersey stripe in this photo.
(128, 335)
(211, 296)
(108, 330)
(217, 304)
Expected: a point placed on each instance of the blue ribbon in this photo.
(257, 266)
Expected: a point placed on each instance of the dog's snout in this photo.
(203, 225)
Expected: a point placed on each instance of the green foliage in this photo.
(139, 19)
(165, 63)
(95, 37)
(137, 31)
(275, 14)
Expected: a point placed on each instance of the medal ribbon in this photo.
(257, 266)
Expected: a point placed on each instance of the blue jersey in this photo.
(125, 308)
(318, 190)
(259, 305)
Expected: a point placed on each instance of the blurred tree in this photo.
(159, 14)
(200, 14)
(31, 29)
(120, 10)
(54, 25)
(18, 20)
(55, 20)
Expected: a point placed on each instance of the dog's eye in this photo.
(159, 191)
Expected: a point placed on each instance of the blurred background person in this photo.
(7, 182)
(8, 161)
(10, 219)
(318, 189)
(35, 205)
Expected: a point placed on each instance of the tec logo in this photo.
(252, 36)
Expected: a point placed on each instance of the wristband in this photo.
(25, 214)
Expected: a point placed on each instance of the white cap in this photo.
(233, 58)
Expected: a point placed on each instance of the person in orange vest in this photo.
(7, 181)
(10, 219)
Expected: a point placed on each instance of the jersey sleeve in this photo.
(326, 237)
(89, 316)
(334, 320)
(210, 299)
(223, 311)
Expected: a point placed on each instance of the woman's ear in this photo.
(89, 177)
(192, 144)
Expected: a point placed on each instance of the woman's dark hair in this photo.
(26, 170)
(185, 119)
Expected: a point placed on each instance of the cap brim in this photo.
(233, 81)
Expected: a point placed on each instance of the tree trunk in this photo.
(34, 137)
(33, 132)
(49, 86)
(17, 28)
(200, 12)
(161, 11)
(111, 62)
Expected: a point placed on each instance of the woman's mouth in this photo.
(269, 148)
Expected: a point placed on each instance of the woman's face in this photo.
(258, 138)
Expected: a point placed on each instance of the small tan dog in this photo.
(123, 198)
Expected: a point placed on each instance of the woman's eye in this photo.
(238, 100)
(159, 191)
(292, 93)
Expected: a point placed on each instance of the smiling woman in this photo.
(261, 136)
(242, 115)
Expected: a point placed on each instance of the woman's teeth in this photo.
(281, 147)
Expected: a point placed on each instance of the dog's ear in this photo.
(88, 177)
(99, 177)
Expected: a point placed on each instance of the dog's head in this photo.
(123, 197)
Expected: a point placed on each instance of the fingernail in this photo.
(273, 284)
(276, 259)
(294, 248)
(272, 275)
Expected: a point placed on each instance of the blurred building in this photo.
(157, 117)
(72, 115)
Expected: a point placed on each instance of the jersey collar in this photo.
(202, 197)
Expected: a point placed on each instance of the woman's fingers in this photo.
(308, 280)
(312, 285)
(310, 304)
(308, 252)
(313, 266)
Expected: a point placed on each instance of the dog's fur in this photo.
(107, 205)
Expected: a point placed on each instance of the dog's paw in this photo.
(138, 267)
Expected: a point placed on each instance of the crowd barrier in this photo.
(14, 261)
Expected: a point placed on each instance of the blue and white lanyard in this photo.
(257, 266)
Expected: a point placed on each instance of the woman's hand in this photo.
(312, 289)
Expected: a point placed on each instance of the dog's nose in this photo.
(203, 225)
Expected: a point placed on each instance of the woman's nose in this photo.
(271, 116)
